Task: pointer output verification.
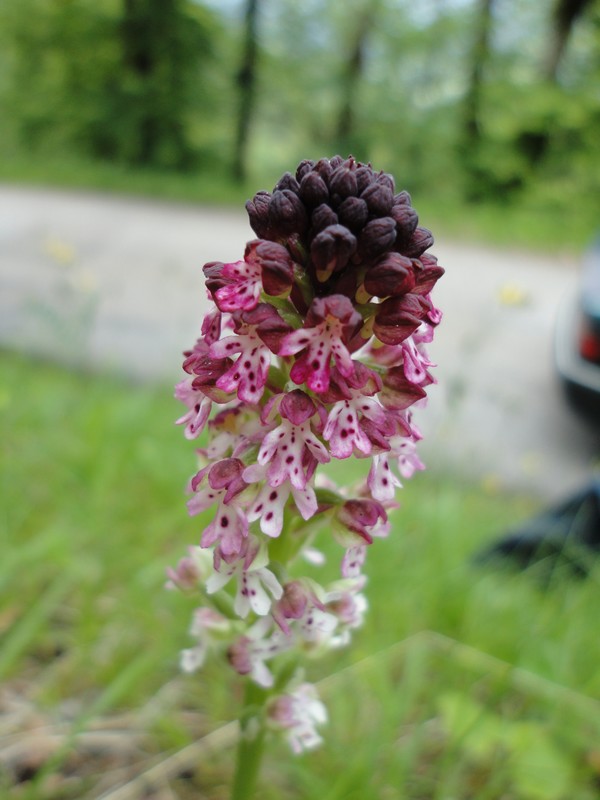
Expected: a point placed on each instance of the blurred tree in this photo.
(564, 16)
(477, 179)
(533, 140)
(478, 59)
(352, 73)
(246, 85)
(114, 79)
(161, 45)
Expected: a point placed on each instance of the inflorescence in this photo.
(313, 350)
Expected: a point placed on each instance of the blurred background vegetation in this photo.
(488, 112)
(489, 107)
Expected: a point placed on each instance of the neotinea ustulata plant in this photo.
(313, 350)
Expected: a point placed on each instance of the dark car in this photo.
(577, 339)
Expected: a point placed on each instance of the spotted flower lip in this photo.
(299, 714)
(331, 250)
(284, 448)
(256, 583)
(248, 374)
(362, 517)
(237, 285)
(199, 407)
(331, 323)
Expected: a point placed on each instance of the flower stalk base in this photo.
(250, 744)
(313, 351)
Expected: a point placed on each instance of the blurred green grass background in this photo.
(494, 684)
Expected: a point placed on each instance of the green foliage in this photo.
(464, 682)
(113, 80)
(141, 85)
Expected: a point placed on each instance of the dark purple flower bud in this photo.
(391, 275)
(336, 306)
(378, 435)
(353, 213)
(361, 515)
(378, 198)
(277, 268)
(402, 199)
(322, 217)
(206, 370)
(344, 282)
(337, 161)
(287, 181)
(331, 250)
(427, 273)
(365, 379)
(297, 407)
(269, 325)
(364, 177)
(421, 240)
(197, 359)
(385, 179)
(303, 168)
(239, 656)
(324, 168)
(227, 474)
(313, 189)
(399, 317)
(258, 213)
(377, 237)
(343, 182)
(406, 219)
(398, 392)
(213, 272)
(294, 600)
(211, 326)
(286, 214)
(292, 604)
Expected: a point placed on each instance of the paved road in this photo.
(117, 283)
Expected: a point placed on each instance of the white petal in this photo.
(218, 580)
(306, 501)
(262, 675)
(192, 659)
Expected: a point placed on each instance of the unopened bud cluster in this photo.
(313, 351)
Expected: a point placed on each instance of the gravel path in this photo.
(117, 283)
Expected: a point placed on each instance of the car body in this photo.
(577, 339)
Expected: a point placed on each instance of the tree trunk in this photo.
(351, 77)
(246, 84)
(564, 16)
(534, 143)
(477, 181)
(479, 57)
(152, 52)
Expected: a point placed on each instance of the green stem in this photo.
(250, 744)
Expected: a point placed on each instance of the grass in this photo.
(465, 682)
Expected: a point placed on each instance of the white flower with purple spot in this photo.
(331, 323)
(343, 429)
(253, 579)
(269, 504)
(219, 485)
(298, 714)
(248, 654)
(249, 373)
(381, 480)
(199, 406)
(206, 626)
